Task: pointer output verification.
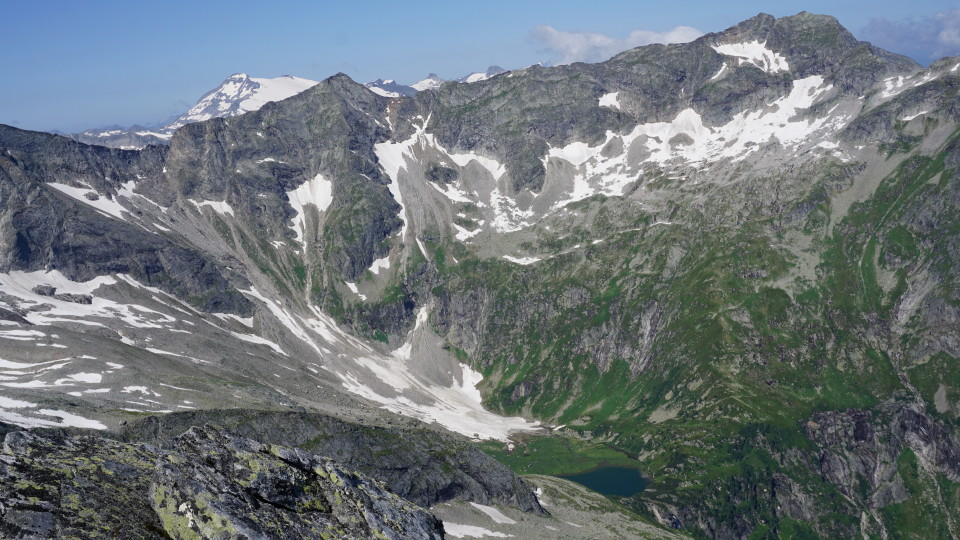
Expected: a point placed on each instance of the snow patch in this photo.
(355, 290)
(246, 321)
(385, 93)
(457, 530)
(745, 133)
(494, 167)
(157, 134)
(392, 157)
(249, 338)
(20, 285)
(912, 116)
(476, 77)
(893, 86)
(221, 207)
(91, 378)
(321, 325)
(754, 53)
(430, 83)
(494, 514)
(451, 193)
(8, 403)
(140, 390)
(611, 100)
(508, 217)
(241, 94)
(65, 419)
(380, 264)
(319, 192)
(720, 72)
(687, 141)
(107, 207)
(22, 335)
(522, 260)
(457, 407)
(463, 234)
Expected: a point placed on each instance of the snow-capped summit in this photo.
(482, 75)
(432, 82)
(239, 94)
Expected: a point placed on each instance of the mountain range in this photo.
(731, 263)
(240, 94)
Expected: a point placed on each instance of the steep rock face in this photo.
(254, 161)
(876, 465)
(47, 229)
(870, 439)
(209, 485)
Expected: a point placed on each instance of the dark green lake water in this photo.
(617, 481)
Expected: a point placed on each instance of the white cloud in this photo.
(595, 47)
(924, 39)
(948, 37)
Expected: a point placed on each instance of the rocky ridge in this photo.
(86, 486)
(422, 466)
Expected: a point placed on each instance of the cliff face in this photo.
(893, 468)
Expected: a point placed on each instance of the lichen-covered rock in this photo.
(216, 486)
(211, 485)
(421, 465)
(77, 487)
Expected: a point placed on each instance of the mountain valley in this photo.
(729, 263)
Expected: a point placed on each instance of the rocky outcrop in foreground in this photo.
(210, 484)
(421, 465)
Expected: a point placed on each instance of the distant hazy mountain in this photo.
(390, 87)
(482, 75)
(238, 94)
(432, 82)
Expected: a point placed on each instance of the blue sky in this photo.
(73, 65)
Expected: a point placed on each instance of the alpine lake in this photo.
(611, 480)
